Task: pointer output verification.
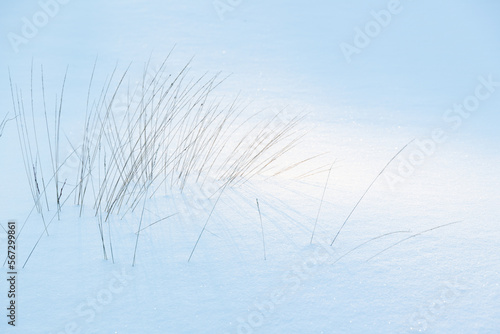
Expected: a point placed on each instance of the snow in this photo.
(359, 113)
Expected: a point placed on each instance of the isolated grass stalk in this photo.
(412, 236)
(321, 203)
(367, 189)
(57, 132)
(156, 222)
(36, 140)
(101, 234)
(206, 222)
(262, 228)
(139, 231)
(321, 169)
(46, 125)
(367, 242)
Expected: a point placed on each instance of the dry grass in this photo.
(176, 131)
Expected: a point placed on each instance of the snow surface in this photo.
(431, 56)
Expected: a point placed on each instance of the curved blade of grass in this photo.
(412, 236)
(367, 189)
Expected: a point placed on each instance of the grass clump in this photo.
(140, 140)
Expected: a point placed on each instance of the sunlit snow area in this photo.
(237, 166)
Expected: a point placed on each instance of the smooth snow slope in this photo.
(428, 58)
